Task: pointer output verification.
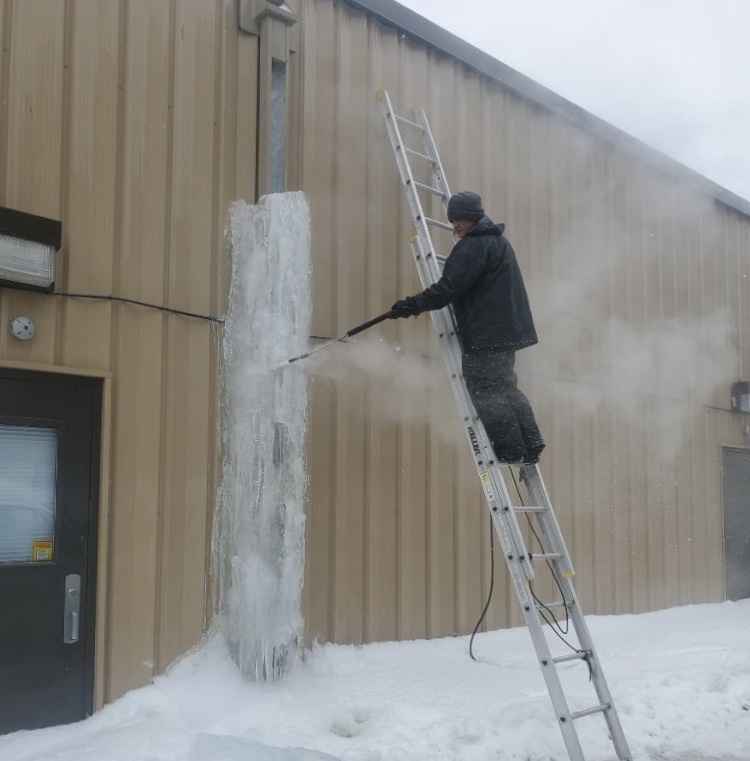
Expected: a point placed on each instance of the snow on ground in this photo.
(680, 677)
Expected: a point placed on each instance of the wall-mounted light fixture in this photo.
(28, 247)
(22, 328)
(253, 11)
(741, 396)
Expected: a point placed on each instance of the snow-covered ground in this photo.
(680, 677)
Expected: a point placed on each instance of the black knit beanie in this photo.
(465, 205)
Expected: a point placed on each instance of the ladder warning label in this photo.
(487, 485)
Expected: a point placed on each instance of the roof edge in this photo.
(419, 28)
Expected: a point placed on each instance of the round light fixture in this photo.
(22, 328)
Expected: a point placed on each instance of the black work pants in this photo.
(502, 407)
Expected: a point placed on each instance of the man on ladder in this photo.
(482, 281)
(483, 284)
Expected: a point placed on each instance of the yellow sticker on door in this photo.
(42, 550)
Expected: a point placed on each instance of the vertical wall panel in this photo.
(189, 367)
(90, 183)
(471, 538)
(380, 530)
(187, 443)
(135, 495)
(319, 76)
(380, 256)
(349, 520)
(413, 465)
(34, 37)
(140, 273)
(349, 285)
(320, 555)
(192, 153)
(92, 145)
(743, 288)
(146, 120)
(441, 576)
(35, 102)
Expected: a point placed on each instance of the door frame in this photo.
(98, 561)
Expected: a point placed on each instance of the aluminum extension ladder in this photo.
(491, 474)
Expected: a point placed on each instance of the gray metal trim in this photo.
(419, 28)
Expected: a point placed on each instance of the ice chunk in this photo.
(258, 539)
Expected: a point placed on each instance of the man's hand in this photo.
(404, 308)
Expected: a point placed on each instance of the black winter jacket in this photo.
(482, 281)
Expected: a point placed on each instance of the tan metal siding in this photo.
(135, 123)
(397, 534)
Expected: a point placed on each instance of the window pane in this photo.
(28, 465)
(278, 126)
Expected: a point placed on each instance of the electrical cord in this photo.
(489, 594)
(125, 300)
(544, 611)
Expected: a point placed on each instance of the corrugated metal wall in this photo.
(638, 284)
(134, 121)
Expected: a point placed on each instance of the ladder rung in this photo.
(419, 155)
(545, 555)
(408, 122)
(588, 711)
(530, 509)
(552, 605)
(438, 223)
(581, 655)
(428, 189)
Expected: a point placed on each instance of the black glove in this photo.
(404, 308)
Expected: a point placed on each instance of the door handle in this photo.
(72, 608)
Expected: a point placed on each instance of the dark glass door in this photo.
(49, 457)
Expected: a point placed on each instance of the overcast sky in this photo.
(674, 73)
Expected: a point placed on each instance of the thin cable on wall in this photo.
(124, 300)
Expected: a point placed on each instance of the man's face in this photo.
(462, 226)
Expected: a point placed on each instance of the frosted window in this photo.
(28, 465)
(278, 126)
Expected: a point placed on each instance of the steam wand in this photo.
(349, 333)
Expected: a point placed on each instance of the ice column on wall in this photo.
(258, 544)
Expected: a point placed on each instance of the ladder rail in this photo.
(563, 573)
(438, 173)
(598, 679)
(407, 180)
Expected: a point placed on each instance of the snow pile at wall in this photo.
(258, 540)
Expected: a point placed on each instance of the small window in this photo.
(278, 126)
(28, 469)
